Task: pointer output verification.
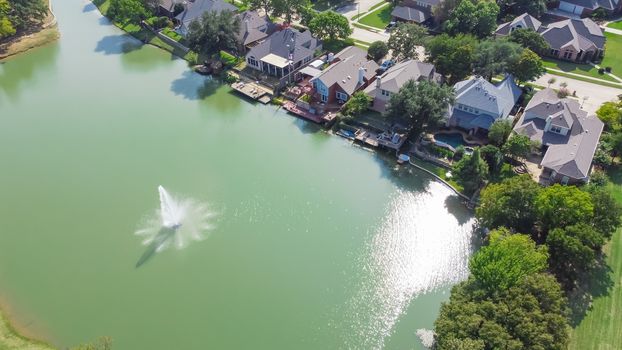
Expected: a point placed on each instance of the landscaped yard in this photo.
(379, 18)
(613, 58)
(602, 326)
(582, 69)
(615, 25)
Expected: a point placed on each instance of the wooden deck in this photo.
(296, 110)
(252, 90)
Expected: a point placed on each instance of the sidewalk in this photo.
(587, 76)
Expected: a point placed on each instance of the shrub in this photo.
(601, 70)
(159, 22)
(230, 78)
(377, 50)
(305, 98)
(608, 69)
(459, 153)
(228, 59)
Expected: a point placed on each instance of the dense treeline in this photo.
(20, 15)
(545, 240)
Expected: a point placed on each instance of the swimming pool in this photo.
(453, 139)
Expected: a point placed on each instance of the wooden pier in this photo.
(253, 90)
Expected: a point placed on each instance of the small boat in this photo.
(403, 158)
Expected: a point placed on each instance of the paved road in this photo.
(368, 36)
(596, 94)
(354, 8)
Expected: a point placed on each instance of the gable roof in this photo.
(285, 42)
(528, 20)
(411, 14)
(580, 34)
(345, 72)
(395, 77)
(569, 155)
(594, 4)
(197, 8)
(254, 27)
(494, 100)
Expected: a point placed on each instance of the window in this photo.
(567, 54)
(324, 98)
(556, 129)
(385, 93)
(341, 96)
(554, 52)
(252, 61)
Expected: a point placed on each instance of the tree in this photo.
(500, 131)
(561, 206)
(289, 8)
(506, 260)
(518, 146)
(493, 157)
(529, 39)
(551, 81)
(442, 11)
(25, 14)
(125, 11)
(509, 204)
(611, 114)
(377, 50)
(6, 27)
(493, 57)
(213, 32)
(528, 67)
(357, 104)
(266, 5)
(423, 103)
(471, 172)
(573, 250)
(535, 8)
(471, 16)
(452, 56)
(330, 25)
(530, 315)
(405, 40)
(607, 211)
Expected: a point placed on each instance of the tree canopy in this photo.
(529, 39)
(494, 57)
(289, 8)
(528, 67)
(19, 15)
(518, 146)
(357, 104)
(423, 104)
(213, 32)
(377, 50)
(452, 56)
(509, 204)
(561, 206)
(405, 39)
(500, 131)
(470, 172)
(473, 17)
(611, 114)
(330, 25)
(6, 27)
(124, 11)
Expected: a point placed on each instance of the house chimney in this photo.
(361, 75)
(378, 81)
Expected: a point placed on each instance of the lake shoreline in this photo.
(13, 335)
(47, 33)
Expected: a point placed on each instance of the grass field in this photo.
(615, 25)
(613, 58)
(379, 18)
(601, 328)
(570, 67)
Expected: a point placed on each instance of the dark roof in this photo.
(411, 14)
(594, 4)
(571, 154)
(345, 72)
(254, 27)
(195, 9)
(525, 21)
(281, 43)
(581, 34)
(495, 100)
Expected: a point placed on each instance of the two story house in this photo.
(568, 135)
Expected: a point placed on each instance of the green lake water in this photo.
(317, 244)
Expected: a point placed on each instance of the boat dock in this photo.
(317, 118)
(254, 91)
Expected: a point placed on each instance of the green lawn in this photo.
(613, 58)
(601, 328)
(379, 18)
(615, 25)
(570, 67)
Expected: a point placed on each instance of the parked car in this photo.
(391, 25)
(385, 65)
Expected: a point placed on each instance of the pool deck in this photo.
(464, 137)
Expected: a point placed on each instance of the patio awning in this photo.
(275, 60)
(310, 71)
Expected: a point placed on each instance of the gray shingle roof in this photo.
(195, 9)
(581, 34)
(529, 21)
(411, 14)
(497, 100)
(284, 42)
(594, 4)
(254, 27)
(569, 155)
(395, 77)
(345, 71)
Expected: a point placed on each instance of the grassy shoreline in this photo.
(47, 33)
(12, 339)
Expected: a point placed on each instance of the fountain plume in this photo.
(177, 222)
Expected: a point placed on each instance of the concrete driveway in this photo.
(368, 36)
(596, 94)
(360, 5)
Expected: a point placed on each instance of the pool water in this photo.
(452, 139)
